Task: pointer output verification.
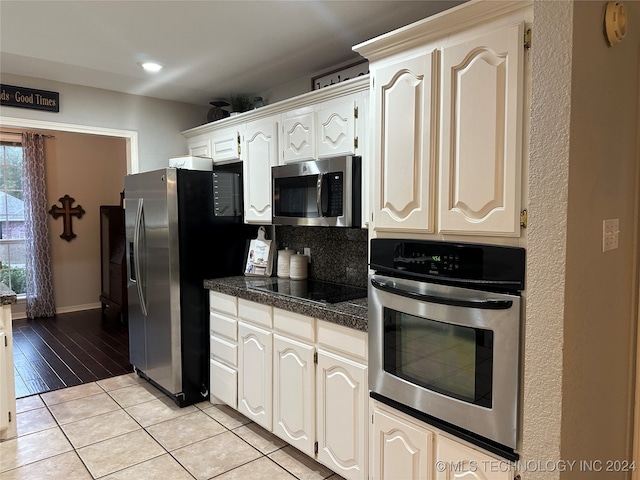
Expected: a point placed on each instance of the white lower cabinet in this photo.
(294, 393)
(254, 374)
(458, 461)
(223, 349)
(342, 414)
(403, 447)
(301, 378)
(400, 449)
(8, 419)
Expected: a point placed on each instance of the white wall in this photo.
(158, 122)
(581, 302)
(92, 180)
(601, 287)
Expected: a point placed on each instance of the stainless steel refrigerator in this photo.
(175, 240)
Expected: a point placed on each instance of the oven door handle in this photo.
(482, 303)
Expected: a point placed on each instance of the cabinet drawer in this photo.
(343, 339)
(223, 383)
(223, 350)
(224, 303)
(223, 326)
(294, 324)
(255, 313)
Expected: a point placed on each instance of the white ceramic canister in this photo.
(298, 267)
(284, 261)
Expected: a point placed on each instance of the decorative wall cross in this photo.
(67, 211)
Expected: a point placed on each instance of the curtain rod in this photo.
(20, 133)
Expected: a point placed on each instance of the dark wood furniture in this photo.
(112, 260)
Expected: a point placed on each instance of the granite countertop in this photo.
(352, 314)
(7, 296)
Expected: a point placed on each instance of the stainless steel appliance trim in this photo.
(319, 194)
(498, 423)
(318, 167)
(136, 257)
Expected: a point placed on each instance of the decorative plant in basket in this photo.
(241, 102)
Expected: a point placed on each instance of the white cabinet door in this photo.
(200, 146)
(342, 415)
(404, 107)
(294, 393)
(225, 145)
(298, 135)
(481, 147)
(8, 419)
(336, 127)
(260, 153)
(254, 374)
(457, 461)
(400, 449)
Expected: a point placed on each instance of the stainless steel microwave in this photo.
(325, 192)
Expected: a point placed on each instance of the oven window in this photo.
(449, 359)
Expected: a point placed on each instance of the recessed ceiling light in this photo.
(151, 66)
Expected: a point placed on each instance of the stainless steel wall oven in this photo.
(444, 336)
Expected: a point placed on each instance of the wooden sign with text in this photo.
(23, 97)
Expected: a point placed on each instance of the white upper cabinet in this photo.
(481, 146)
(298, 135)
(404, 153)
(225, 145)
(259, 154)
(450, 101)
(200, 146)
(326, 129)
(336, 127)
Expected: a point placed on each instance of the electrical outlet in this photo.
(610, 231)
(307, 252)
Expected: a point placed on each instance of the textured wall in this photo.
(581, 302)
(547, 206)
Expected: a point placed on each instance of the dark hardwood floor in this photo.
(68, 349)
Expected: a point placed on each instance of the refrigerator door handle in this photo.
(140, 280)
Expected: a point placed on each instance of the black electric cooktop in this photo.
(311, 290)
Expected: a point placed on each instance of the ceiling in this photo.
(210, 49)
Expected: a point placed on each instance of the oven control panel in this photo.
(454, 261)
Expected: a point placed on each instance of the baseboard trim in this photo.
(18, 311)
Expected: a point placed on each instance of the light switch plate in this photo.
(610, 231)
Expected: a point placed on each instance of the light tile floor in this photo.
(123, 428)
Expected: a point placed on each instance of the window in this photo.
(12, 231)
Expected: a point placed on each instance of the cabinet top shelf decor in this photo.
(355, 85)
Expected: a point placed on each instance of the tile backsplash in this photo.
(337, 254)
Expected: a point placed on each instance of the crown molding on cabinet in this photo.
(354, 85)
(440, 26)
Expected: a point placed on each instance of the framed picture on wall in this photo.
(342, 74)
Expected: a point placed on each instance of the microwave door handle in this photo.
(319, 194)
(481, 303)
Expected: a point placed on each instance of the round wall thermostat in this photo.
(615, 22)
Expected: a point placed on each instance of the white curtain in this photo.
(39, 281)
